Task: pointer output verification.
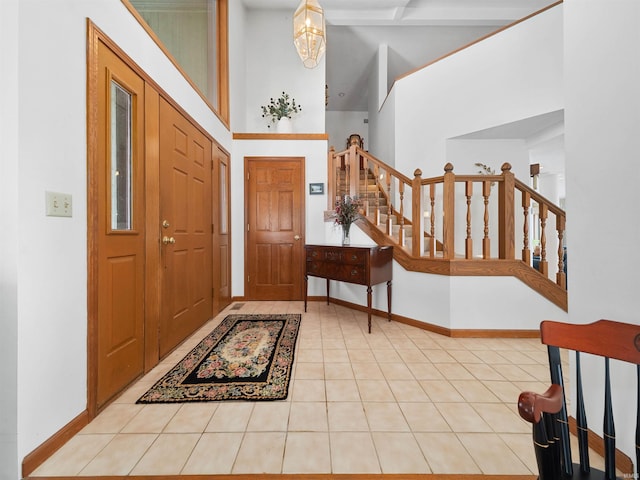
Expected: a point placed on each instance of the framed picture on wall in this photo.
(316, 188)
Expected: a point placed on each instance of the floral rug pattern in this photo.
(246, 357)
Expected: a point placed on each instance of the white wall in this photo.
(495, 303)
(269, 70)
(43, 142)
(602, 119)
(49, 122)
(503, 303)
(463, 155)
(52, 251)
(9, 240)
(237, 66)
(549, 153)
(273, 66)
(340, 125)
(315, 154)
(513, 75)
(381, 119)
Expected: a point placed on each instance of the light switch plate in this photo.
(58, 204)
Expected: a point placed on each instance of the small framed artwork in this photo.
(316, 188)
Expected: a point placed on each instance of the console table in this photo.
(362, 265)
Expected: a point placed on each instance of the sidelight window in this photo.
(121, 158)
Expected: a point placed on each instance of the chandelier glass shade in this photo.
(309, 32)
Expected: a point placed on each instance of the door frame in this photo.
(247, 160)
(153, 265)
(221, 157)
(151, 213)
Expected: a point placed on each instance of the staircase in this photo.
(376, 209)
(455, 224)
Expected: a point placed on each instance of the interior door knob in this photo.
(296, 237)
(168, 240)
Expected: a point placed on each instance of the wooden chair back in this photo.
(548, 411)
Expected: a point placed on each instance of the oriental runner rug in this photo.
(246, 357)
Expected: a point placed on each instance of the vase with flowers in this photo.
(281, 110)
(347, 211)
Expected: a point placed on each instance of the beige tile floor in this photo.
(398, 400)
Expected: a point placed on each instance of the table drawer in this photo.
(352, 274)
(314, 254)
(352, 257)
(320, 268)
(338, 271)
(355, 257)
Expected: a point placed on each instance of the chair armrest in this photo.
(531, 405)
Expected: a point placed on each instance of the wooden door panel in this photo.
(185, 193)
(223, 269)
(275, 214)
(286, 260)
(119, 336)
(201, 292)
(120, 244)
(265, 272)
(179, 202)
(122, 290)
(180, 303)
(196, 209)
(285, 211)
(221, 231)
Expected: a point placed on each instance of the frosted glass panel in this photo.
(188, 31)
(224, 207)
(121, 159)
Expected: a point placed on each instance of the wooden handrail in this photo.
(431, 214)
(372, 159)
(523, 187)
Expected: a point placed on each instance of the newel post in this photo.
(332, 176)
(354, 170)
(506, 214)
(448, 212)
(417, 235)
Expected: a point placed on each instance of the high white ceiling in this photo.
(415, 31)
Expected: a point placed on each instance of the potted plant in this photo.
(281, 110)
(347, 211)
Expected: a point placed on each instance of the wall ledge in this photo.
(280, 136)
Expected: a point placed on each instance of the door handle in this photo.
(296, 237)
(168, 240)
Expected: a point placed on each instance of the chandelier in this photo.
(309, 35)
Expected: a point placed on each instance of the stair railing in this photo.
(530, 199)
(449, 214)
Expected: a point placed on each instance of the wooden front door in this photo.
(221, 231)
(275, 228)
(186, 227)
(119, 229)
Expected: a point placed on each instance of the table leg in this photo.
(389, 300)
(369, 306)
(327, 291)
(306, 287)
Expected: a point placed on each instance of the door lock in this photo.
(165, 224)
